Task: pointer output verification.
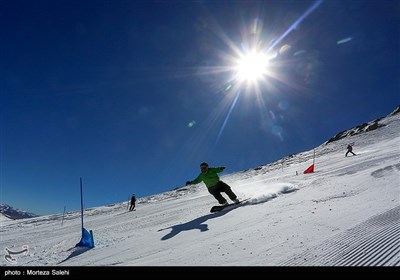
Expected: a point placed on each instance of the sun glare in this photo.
(252, 66)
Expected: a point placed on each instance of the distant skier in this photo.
(133, 201)
(214, 185)
(350, 150)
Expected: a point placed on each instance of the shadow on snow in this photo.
(198, 223)
(76, 251)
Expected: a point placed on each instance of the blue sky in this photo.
(133, 95)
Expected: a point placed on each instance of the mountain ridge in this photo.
(15, 214)
(365, 127)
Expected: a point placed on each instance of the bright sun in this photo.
(252, 66)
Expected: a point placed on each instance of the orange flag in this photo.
(310, 169)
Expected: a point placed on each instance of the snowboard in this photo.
(218, 208)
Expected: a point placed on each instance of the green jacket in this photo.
(210, 178)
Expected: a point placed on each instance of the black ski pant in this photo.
(218, 189)
(350, 152)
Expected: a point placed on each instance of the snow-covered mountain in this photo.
(365, 127)
(345, 213)
(14, 214)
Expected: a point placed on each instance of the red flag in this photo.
(310, 169)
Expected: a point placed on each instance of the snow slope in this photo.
(345, 213)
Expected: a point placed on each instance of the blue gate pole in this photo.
(81, 205)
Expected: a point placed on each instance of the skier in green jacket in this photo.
(214, 185)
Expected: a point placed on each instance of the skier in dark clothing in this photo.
(133, 201)
(350, 150)
(214, 185)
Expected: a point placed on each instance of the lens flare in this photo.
(284, 48)
(343, 41)
(191, 124)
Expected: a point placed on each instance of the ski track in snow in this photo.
(375, 242)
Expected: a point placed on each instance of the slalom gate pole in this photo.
(62, 221)
(313, 161)
(81, 205)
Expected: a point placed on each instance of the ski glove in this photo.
(188, 183)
